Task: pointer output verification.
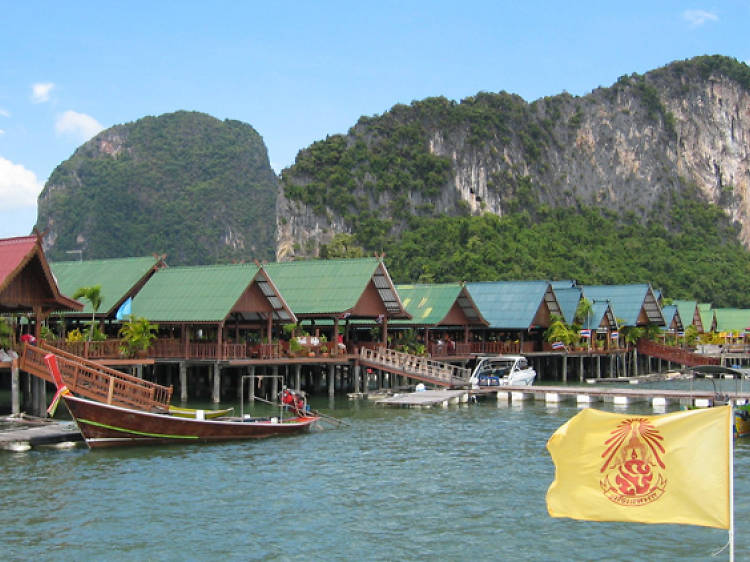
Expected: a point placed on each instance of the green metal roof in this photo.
(328, 287)
(568, 297)
(512, 305)
(193, 293)
(627, 301)
(706, 314)
(429, 304)
(686, 310)
(117, 278)
(732, 319)
(601, 313)
(672, 313)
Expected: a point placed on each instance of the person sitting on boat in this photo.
(293, 401)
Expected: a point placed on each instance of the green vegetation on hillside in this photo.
(184, 184)
(695, 256)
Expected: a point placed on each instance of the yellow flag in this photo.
(672, 468)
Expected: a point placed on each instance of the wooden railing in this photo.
(421, 368)
(107, 349)
(92, 380)
(675, 354)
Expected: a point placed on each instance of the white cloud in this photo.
(40, 91)
(19, 187)
(78, 125)
(4, 113)
(2, 132)
(696, 18)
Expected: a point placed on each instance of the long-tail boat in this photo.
(110, 425)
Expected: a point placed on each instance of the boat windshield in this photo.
(495, 368)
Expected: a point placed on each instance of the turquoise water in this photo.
(446, 484)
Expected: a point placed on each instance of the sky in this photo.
(299, 71)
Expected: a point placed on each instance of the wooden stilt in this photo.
(251, 388)
(15, 390)
(331, 380)
(183, 382)
(216, 393)
(297, 377)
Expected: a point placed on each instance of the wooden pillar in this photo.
(269, 328)
(334, 345)
(275, 382)
(216, 394)
(580, 368)
(297, 377)
(565, 367)
(139, 370)
(635, 362)
(385, 331)
(331, 380)
(356, 377)
(365, 381)
(183, 382)
(598, 366)
(611, 365)
(15, 390)
(251, 391)
(220, 341)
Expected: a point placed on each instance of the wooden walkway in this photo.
(415, 367)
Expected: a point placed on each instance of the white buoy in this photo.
(583, 399)
(702, 403)
(620, 401)
(503, 396)
(551, 397)
(17, 446)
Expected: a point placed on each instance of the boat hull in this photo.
(104, 425)
(742, 421)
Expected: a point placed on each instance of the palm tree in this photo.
(94, 296)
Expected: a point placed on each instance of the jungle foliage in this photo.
(185, 184)
(699, 257)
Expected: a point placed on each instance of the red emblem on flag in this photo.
(634, 473)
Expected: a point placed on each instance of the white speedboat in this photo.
(502, 370)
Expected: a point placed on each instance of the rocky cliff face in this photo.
(185, 184)
(629, 148)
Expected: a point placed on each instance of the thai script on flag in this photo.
(558, 345)
(585, 333)
(614, 335)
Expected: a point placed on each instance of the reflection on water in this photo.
(466, 482)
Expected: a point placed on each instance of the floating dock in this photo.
(54, 434)
(426, 398)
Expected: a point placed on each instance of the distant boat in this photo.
(741, 411)
(502, 370)
(108, 425)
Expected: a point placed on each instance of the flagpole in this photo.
(731, 481)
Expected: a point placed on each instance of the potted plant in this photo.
(137, 335)
(324, 350)
(295, 348)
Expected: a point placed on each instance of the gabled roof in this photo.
(119, 278)
(731, 319)
(706, 314)
(602, 316)
(689, 315)
(635, 305)
(672, 318)
(360, 287)
(447, 304)
(198, 294)
(26, 280)
(515, 305)
(568, 298)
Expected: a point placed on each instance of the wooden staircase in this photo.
(415, 367)
(95, 381)
(675, 354)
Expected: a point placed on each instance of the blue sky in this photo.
(298, 71)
